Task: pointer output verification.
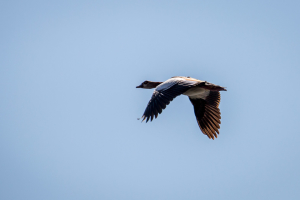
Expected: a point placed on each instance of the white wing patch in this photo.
(173, 81)
(197, 93)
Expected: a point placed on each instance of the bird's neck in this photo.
(153, 84)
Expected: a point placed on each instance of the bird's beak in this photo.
(140, 86)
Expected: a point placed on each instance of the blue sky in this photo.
(69, 106)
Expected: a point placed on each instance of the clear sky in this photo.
(69, 106)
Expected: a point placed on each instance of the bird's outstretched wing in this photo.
(208, 113)
(164, 94)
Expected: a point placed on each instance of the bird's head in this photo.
(148, 84)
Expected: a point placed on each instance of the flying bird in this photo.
(204, 96)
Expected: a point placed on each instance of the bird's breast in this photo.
(197, 93)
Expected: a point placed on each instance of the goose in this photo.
(204, 96)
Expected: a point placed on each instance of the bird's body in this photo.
(204, 96)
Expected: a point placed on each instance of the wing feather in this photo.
(208, 114)
(164, 94)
